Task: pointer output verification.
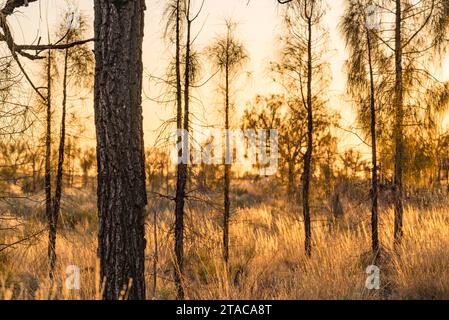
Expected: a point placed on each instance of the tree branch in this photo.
(41, 47)
(11, 5)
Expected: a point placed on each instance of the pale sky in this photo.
(259, 27)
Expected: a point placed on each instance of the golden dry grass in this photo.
(267, 258)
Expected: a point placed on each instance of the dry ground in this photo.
(267, 257)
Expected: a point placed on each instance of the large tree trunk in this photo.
(398, 130)
(120, 148)
(308, 154)
(374, 186)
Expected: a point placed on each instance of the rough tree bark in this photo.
(120, 149)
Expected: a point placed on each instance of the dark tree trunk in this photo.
(156, 254)
(374, 186)
(179, 228)
(227, 172)
(180, 173)
(56, 200)
(308, 154)
(167, 177)
(290, 180)
(182, 167)
(33, 165)
(69, 161)
(398, 130)
(47, 182)
(120, 148)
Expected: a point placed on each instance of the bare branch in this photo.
(11, 5)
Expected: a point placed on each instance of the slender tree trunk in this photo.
(167, 177)
(120, 148)
(179, 209)
(227, 173)
(69, 161)
(179, 229)
(85, 176)
(182, 176)
(33, 164)
(48, 202)
(290, 180)
(178, 68)
(56, 201)
(156, 254)
(374, 186)
(398, 130)
(308, 154)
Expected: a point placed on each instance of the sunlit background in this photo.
(259, 28)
